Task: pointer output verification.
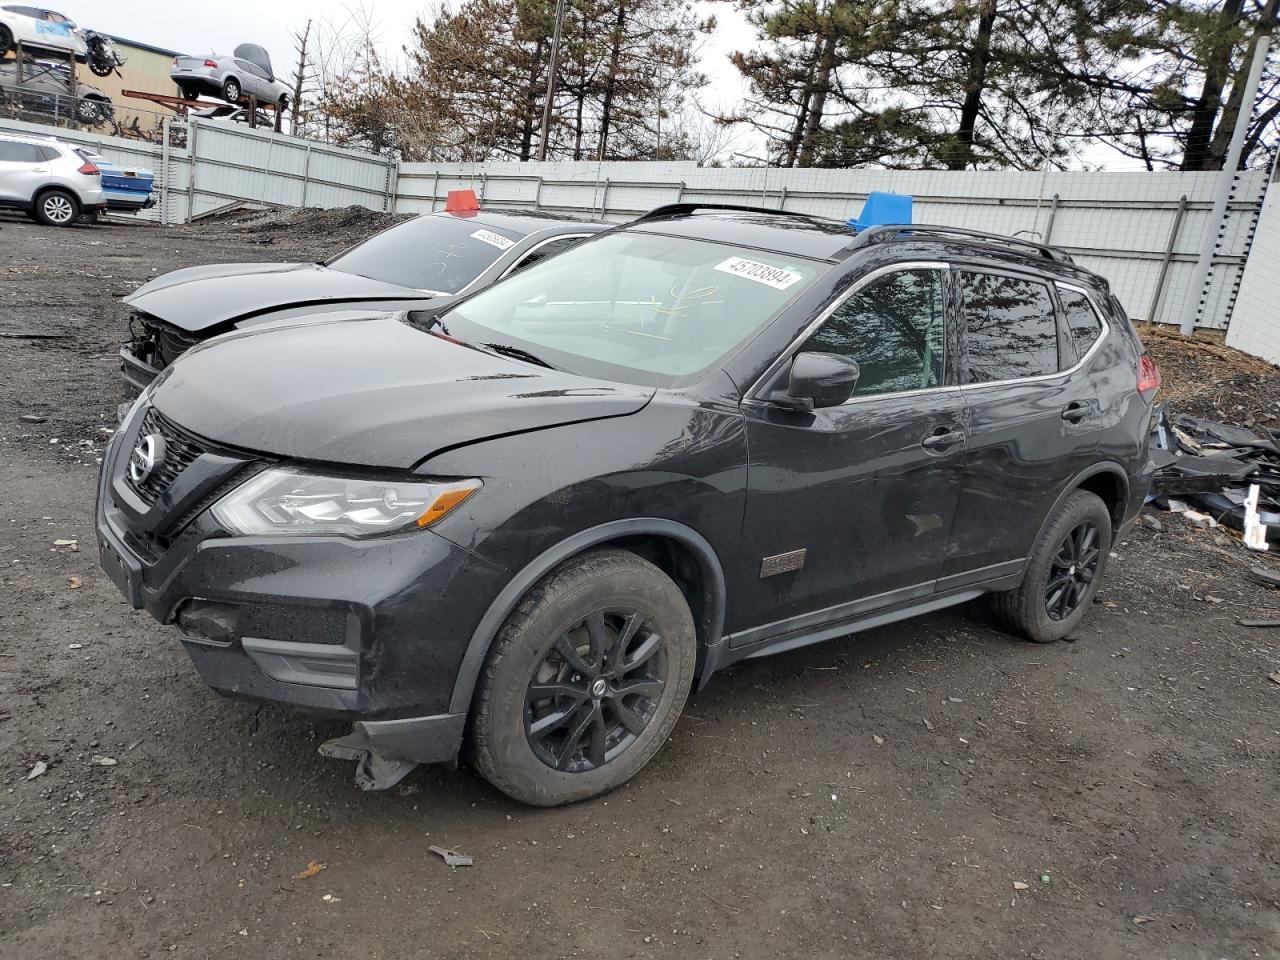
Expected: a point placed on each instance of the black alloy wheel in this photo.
(595, 691)
(1072, 569)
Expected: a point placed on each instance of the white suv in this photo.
(48, 179)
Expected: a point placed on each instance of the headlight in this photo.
(292, 503)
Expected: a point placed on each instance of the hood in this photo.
(200, 299)
(373, 392)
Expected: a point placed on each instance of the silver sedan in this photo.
(247, 72)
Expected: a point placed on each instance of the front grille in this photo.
(180, 450)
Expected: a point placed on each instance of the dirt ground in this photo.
(931, 789)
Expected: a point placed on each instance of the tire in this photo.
(283, 103)
(189, 93)
(1073, 549)
(87, 111)
(6, 39)
(57, 208)
(231, 90)
(524, 745)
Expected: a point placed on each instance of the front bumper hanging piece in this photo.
(373, 770)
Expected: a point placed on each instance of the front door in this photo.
(849, 508)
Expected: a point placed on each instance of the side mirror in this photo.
(818, 380)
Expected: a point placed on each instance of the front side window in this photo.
(1082, 320)
(652, 308)
(436, 254)
(895, 328)
(1010, 329)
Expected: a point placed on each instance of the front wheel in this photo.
(6, 39)
(1063, 572)
(57, 208)
(585, 680)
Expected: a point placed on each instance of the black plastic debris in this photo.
(1211, 466)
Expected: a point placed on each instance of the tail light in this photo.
(88, 169)
(211, 63)
(1148, 374)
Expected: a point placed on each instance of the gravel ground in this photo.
(935, 788)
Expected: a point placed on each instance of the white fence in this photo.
(1142, 231)
(202, 165)
(1255, 323)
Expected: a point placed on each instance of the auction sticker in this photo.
(493, 239)
(770, 276)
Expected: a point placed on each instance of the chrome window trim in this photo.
(835, 305)
(1038, 378)
(538, 246)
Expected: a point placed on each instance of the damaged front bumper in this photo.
(373, 631)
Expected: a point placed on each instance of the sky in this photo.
(272, 25)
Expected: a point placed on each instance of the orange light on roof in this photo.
(461, 201)
(447, 499)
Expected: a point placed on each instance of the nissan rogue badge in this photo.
(146, 456)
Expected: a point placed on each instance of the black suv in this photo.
(533, 520)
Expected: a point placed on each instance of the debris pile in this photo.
(1218, 474)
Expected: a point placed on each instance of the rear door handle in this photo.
(942, 439)
(1075, 411)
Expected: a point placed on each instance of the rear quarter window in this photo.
(1010, 328)
(1082, 321)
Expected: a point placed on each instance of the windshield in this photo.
(431, 253)
(654, 308)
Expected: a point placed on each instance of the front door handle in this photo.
(1075, 411)
(942, 439)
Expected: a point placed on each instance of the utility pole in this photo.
(551, 81)
(1226, 182)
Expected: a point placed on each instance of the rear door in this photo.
(23, 168)
(849, 507)
(1033, 418)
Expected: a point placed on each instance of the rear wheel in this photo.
(585, 680)
(88, 111)
(57, 208)
(6, 39)
(231, 90)
(1062, 575)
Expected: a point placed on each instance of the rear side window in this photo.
(894, 328)
(1010, 329)
(1082, 320)
(49, 153)
(21, 152)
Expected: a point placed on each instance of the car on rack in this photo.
(435, 255)
(231, 113)
(523, 525)
(48, 180)
(245, 73)
(40, 30)
(44, 88)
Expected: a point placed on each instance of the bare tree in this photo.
(301, 79)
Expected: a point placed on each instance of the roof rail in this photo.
(679, 209)
(894, 231)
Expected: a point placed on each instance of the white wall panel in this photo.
(1115, 223)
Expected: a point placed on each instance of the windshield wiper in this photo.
(506, 350)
